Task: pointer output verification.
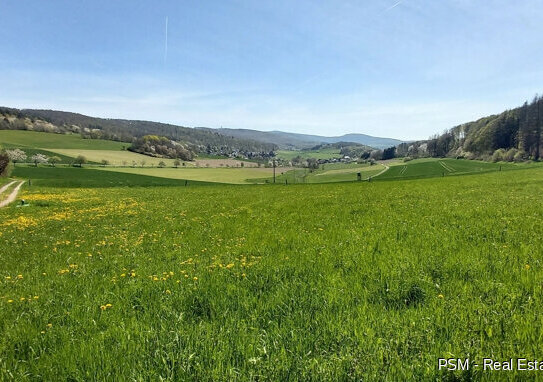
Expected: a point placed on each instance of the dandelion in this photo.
(168, 291)
(49, 325)
(103, 307)
(440, 296)
(527, 266)
(195, 278)
(20, 277)
(22, 299)
(10, 301)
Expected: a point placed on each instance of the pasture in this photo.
(344, 281)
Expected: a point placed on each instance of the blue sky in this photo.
(403, 69)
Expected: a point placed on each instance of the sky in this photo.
(391, 68)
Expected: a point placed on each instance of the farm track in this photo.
(380, 173)
(11, 197)
(5, 187)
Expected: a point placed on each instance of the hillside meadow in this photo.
(344, 281)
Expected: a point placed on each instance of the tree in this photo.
(389, 153)
(104, 162)
(16, 155)
(39, 158)
(80, 161)
(161, 164)
(176, 163)
(5, 164)
(54, 160)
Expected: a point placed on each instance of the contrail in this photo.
(394, 6)
(166, 42)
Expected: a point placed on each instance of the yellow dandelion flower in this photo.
(103, 307)
(195, 278)
(527, 266)
(440, 296)
(168, 291)
(49, 325)
(10, 301)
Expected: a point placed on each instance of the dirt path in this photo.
(5, 187)
(385, 169)
(11, 197)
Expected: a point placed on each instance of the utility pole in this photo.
(538, 141)
(274, 171)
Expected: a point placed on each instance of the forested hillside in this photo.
(204, 140)
(512, 135)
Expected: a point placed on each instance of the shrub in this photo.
(520, 156)
(498, 155)
(509, 156)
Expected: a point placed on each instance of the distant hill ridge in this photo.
(224, 139)
(299, 141)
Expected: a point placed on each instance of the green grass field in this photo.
(33, 139)
(93, 178)
(344, 281)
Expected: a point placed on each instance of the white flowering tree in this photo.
(39, 158)
(16, 155)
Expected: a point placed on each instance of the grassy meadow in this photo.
(343, 281)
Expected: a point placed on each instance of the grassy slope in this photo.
(326, 282)
(15, 138)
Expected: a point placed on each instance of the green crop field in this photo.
(343, 281)
(422, 168)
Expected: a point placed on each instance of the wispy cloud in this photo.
(393, 6)
(166, 42)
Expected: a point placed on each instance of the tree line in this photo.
(514, 135)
